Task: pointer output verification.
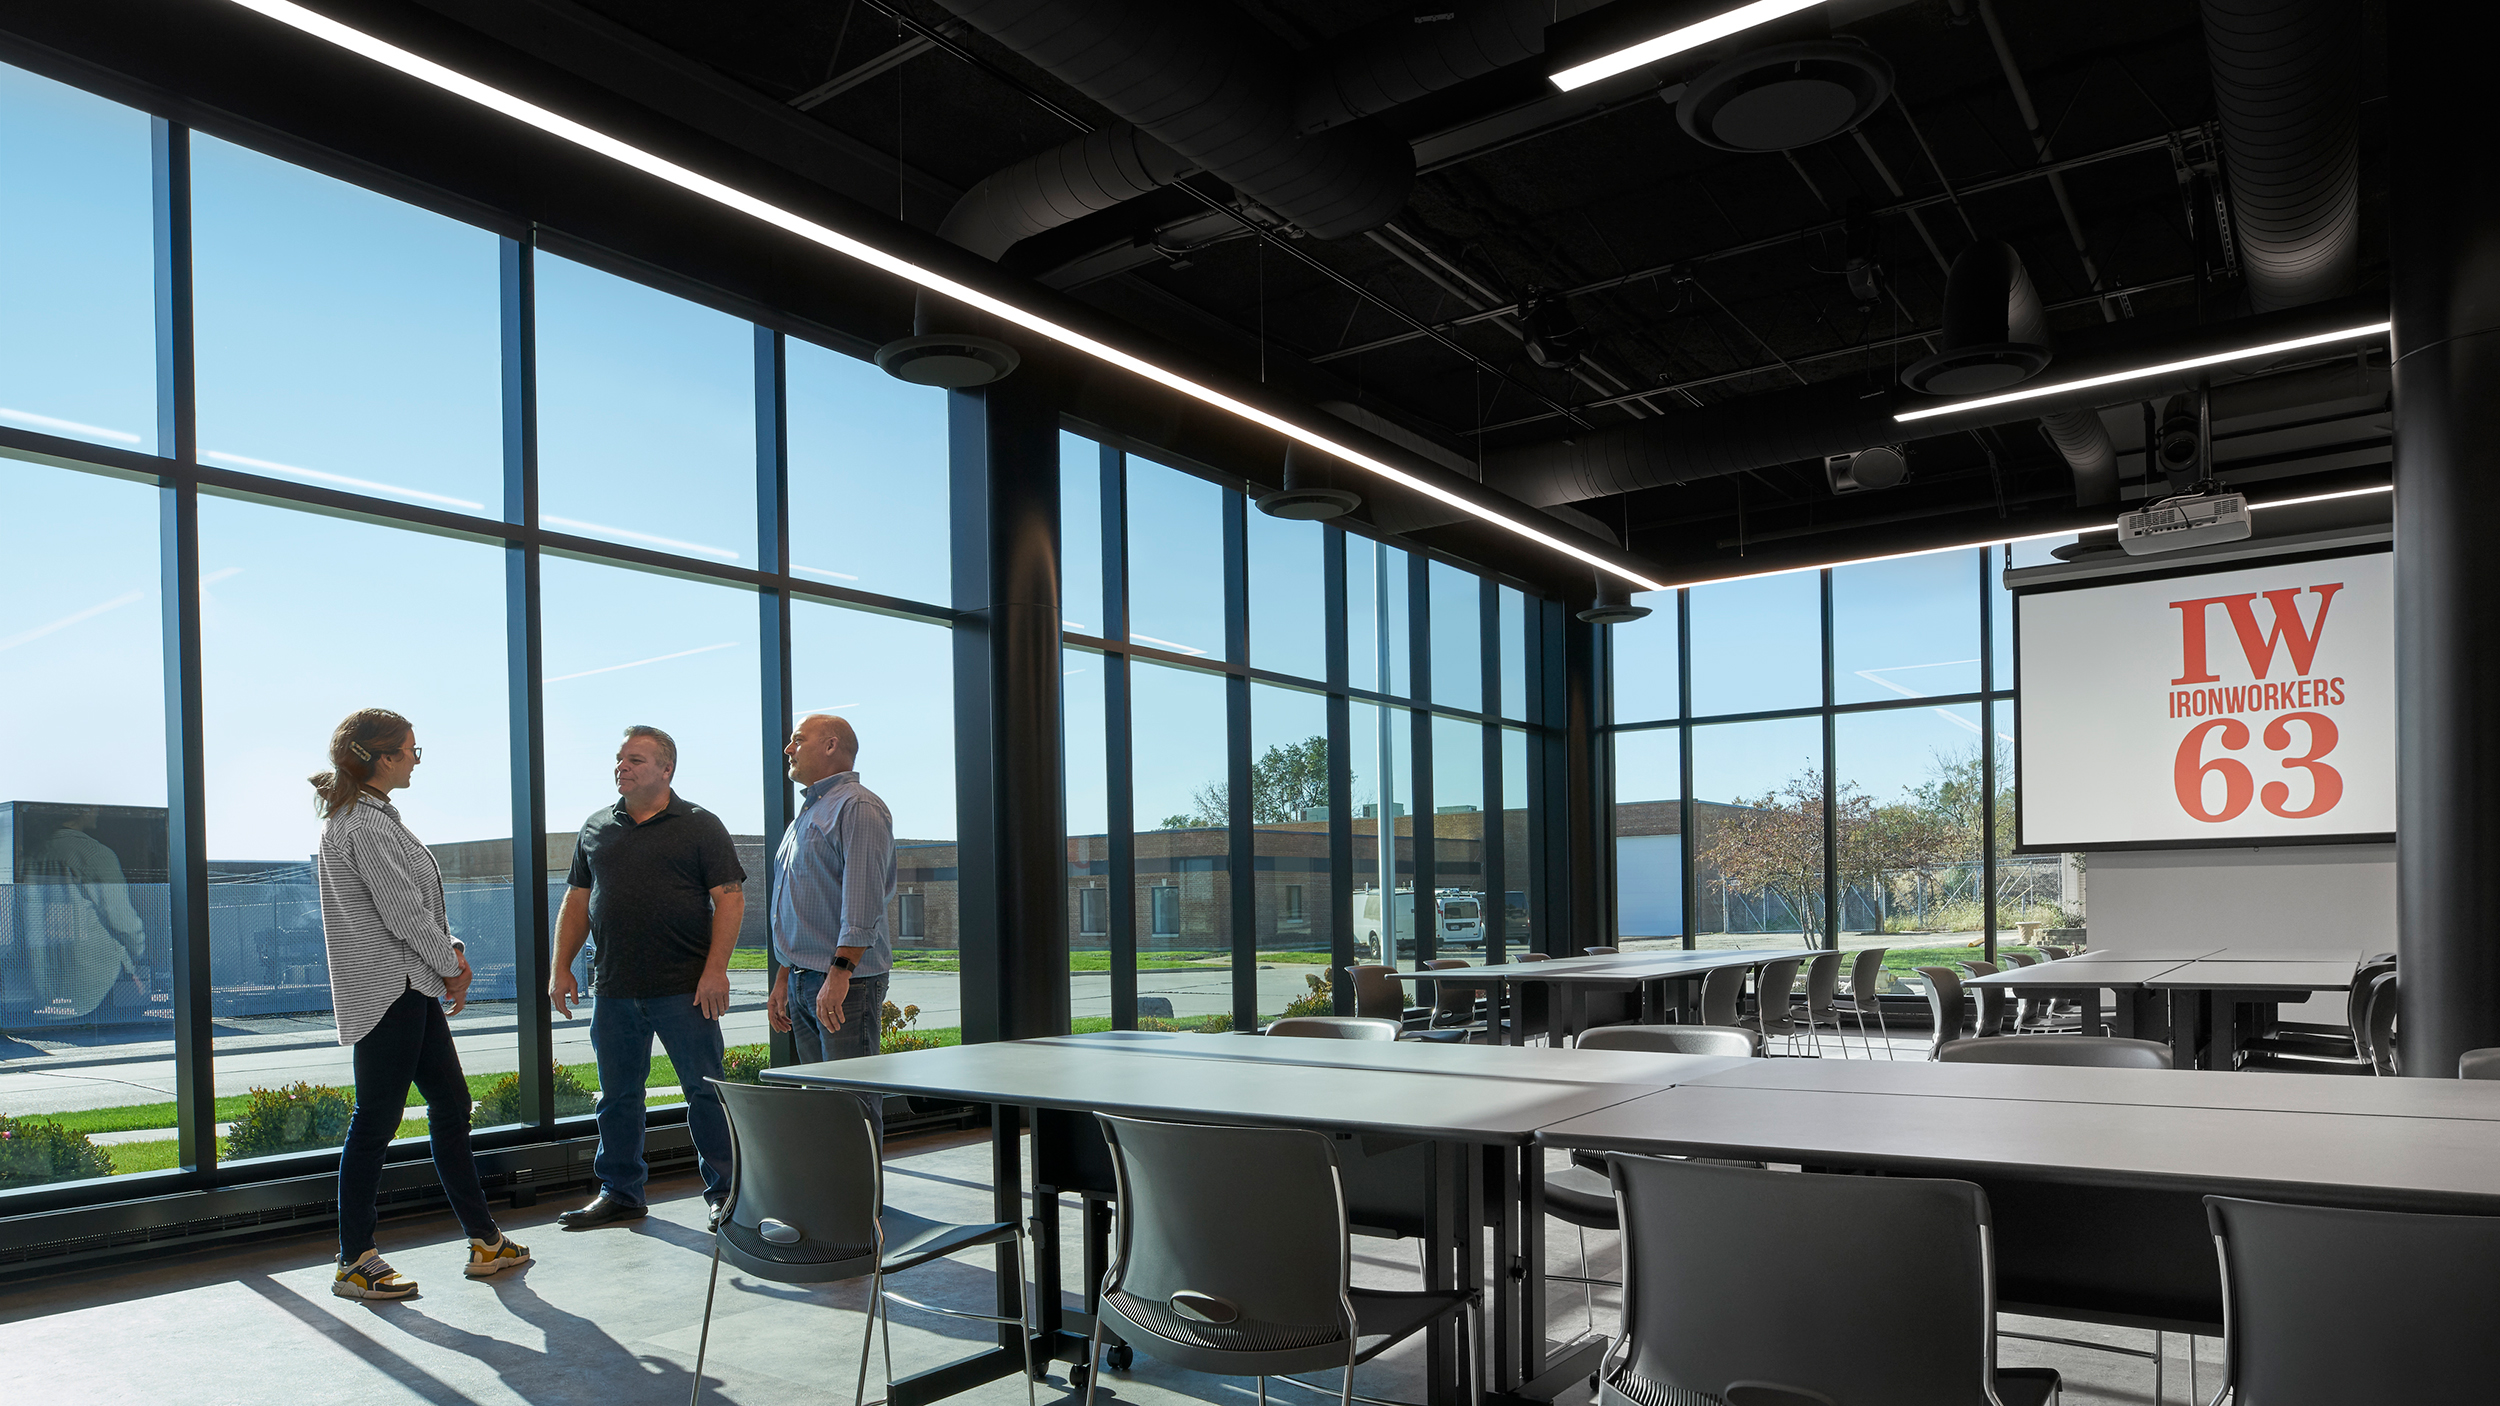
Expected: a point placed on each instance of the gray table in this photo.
(1571, 1066)
(1355, 1089)
(2209, 998)
(2085, 980)
(2095, 1177)
(1571, 980)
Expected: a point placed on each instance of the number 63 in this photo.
(2189, 770)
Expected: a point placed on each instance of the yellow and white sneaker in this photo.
(370, 1278)
(486, 1261)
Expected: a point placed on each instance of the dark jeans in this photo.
(412, 1044)
(621, 1028)
(863, 1021)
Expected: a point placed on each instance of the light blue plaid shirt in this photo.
(837, 875)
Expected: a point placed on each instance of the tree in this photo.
(1774, 844)
(1286, 781)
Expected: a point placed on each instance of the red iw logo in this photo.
(2293, 700)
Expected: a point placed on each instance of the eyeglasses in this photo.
(416, 754)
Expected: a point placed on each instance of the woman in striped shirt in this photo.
(393, 962)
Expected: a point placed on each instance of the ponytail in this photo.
(365, 734)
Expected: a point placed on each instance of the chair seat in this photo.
(1581, 1197)
(2276, 1064)
(2027, 1386)
(1443, 1035)
(1391, 1314)
(915, 1240)
(2316, 1045)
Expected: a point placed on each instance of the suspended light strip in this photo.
(1676, 41)
(460, 85)
(2347, 334)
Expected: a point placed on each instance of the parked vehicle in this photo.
(1458, 919)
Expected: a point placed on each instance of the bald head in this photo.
(821, 745)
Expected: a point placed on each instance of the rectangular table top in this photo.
(1570, 1066)
(2243, 952)
(2188, 952)
(1134, 1080)
(2442, 1164)
(2256, 976)
(2075, 974)
(1618, 969)
(2470, 1099)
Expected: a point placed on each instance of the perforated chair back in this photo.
(1598, 951)
(1771, 992)
(2358, 1308)
(2384, 1056)
(1675, 1039)
(2090, 1051)
(1866, 977)
(2479, 1064)
(1448, 998)
(1231, 1253)
(1712, 1313)
(1536, 957)
(1336, 1027)
(1822, 985)
(1946, 1005)
(2057, 954)
(1722, 992)
(1376, 993)
(805, 1183)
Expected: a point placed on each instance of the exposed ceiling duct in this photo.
(2286, 77)
(1408, 56)
(1068, 182)
(1997, 335)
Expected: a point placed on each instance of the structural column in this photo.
(2445, 252)
(1010, 854)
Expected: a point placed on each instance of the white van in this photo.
(1460, 917)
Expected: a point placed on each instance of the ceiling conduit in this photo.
(2286, 79)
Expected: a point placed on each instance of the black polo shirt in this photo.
(651, 895)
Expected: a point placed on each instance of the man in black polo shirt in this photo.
(656, 879)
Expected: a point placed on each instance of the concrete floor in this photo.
(611, 1317)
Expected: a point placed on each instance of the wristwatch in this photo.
(845, 963)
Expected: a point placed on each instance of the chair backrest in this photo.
(2479, 1064)
(1822, 984)
(1946, 1005)
(2383, 1001)
(1771, 992)
(2090, 1050)
(1674, 1039)
(1448, 999)
(2056, 954)
(1536, 956)
(1376, 993)
(2016, 959)
(2372, 1308)
(1979, 968)
(1597, 951)
(2357, 1001)
(1722, 990)
(805, 1183)
(1246, 1227)
(1337, 1027)
(1866, 976)
(1712, 1298)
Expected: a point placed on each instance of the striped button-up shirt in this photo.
(837, 874)
(382, 916)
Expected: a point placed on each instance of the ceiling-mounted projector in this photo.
(2176, 524)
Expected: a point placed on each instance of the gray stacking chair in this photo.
(2322, 1049)
(1946, 1006)
(1335, 1027)
(2092, 1051)
(1233, 1256)
(1453, 1005)
(2479, 1064)
(807, 1206)
(1991, 1003)
(1821, 1009)
(1535, 957)
(1676, 1039)
(1714, 1310)
(1771, 991)
(1379, 996)
(2357, 1308)
(1866, 980)
(1722, 994)
(2384, 1055)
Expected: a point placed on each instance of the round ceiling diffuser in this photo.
(1976, 370)
(1785, 96)
(950, 360)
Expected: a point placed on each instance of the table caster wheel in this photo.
(1119, 1359)
(1076, 1377)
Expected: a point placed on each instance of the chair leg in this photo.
(703, 1344)
(1885, 1026)
(885, 1338)
(1345, 1392)
(1093, 1362)
(2160, 1352)
(1262, 1389)
(1588, 1292)
(876, 1300)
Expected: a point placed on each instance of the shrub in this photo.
(33, 1152)
(502, 1103)
(1317, 1002)
(290, 1119)
(1215, 1023)
(745, 1064)
(895, 1034)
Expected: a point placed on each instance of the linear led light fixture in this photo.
(589, 139)
(2346, 334)
(1676, 41)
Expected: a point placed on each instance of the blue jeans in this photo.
(621, 1028)
(863, 1022)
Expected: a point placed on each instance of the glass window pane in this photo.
(1184, 891)
(1458, 837)
(86, 957)
(1909, 825)
(2047, 889)
(1080, 536)
(894, 681)
(1384, 879)
(77, 265)
(1175, 561)
(1377, 619)
(1906, 628)
(1514, 654)
(1758, 833)
(646, 416)
(345, 339)
(868, 477)
(1457, 616)
(1649, 838)
(1289, 844)
(1086, 808)
(271, 580)
(1758, 644)
(1288, 596)
(1518, 934)
(1647, 673)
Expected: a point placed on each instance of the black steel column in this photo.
(1119, 755)
(1239, 862)
(178, 589)
(1582, 824)
(1987, 760)
(1340, 772)
(1684, 758)
(1424, 886)
(772, 540)
(1492, 913)
(525, 708)
(1549, 792)
(1833, 892)
(2444, 232)
(1012, 893)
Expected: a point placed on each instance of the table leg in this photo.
(1575, 1011)
(2222, 1049)
(1506, 1270)
(2187, 1029)
(1471, 1226)
(1531, 1320)
(1049, 1308)
(1441, 1238)
(2088, 1012)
